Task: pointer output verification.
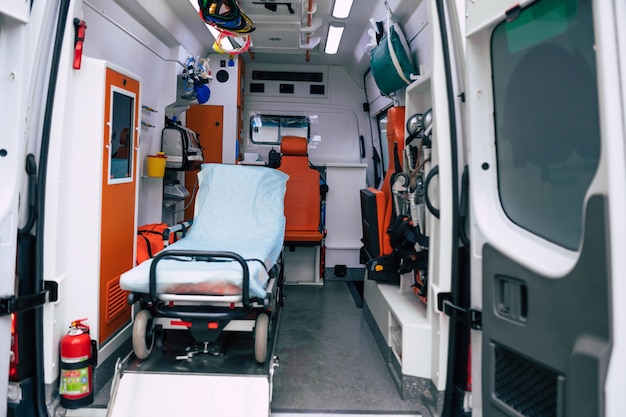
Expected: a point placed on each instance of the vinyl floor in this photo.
(329, 361)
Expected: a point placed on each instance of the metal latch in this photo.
(468, 316)
(15, 304)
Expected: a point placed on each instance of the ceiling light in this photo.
(342, 8)
(333, 39)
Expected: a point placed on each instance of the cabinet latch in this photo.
(467, 316)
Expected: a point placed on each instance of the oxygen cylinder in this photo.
(78, 359)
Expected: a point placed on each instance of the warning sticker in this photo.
(74, 381)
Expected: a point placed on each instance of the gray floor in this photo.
(329, 361)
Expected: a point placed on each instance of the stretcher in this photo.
(226, 274)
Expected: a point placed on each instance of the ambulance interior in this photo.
(352, 336)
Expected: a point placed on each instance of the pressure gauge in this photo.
(414, 124)
(427, 122)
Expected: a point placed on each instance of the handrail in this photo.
(213, 313)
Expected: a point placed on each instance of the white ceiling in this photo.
(278, 35)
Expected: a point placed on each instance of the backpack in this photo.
(182, 147)
(151, 239)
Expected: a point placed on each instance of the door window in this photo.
(122, 137)
(546, 117)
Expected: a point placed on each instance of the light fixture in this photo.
(333, 39)
(341, 10)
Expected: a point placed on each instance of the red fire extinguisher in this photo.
(78, 359)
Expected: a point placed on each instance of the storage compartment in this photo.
(403, 320)
(395, 337)
(302, 264)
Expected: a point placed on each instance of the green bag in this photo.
(390, 65)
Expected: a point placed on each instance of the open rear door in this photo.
(13, 19)
(543, 239)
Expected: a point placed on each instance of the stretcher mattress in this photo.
(238, 209)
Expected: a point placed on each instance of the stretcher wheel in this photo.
(143, 334)
(261, 329)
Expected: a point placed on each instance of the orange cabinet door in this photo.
(207, 122)
(119, 183)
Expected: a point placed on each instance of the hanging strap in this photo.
(148, 247)
(396, 159)
(376, 158)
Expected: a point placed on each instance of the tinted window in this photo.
(546, 117)
(268, 129)
(384, 147)
(122, 136)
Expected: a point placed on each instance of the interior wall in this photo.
(337, 117)
(109, 27)
(72, 199)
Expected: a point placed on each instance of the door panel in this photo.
(551, 360)
(540, 234)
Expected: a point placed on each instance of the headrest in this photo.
(395, 125)
(293, 145)
(124, 136)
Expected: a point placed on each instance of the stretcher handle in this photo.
(245, 292)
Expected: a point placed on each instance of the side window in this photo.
(546, 117)
(269, 129)
(382, 132)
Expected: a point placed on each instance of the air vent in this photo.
(314, 77)
(257, 87)
(286, 89)
(116, 300)
(524, 386)
(317, 89)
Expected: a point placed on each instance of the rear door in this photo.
(546, 154)
(13, 16)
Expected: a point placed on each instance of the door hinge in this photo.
(15, 304)
(468, 316)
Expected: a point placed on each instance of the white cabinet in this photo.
(413, 336)
(343, 214)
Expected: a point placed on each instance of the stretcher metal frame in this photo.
(206, 317)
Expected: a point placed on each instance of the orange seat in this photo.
(383, 197)
(302, 198)
(122, 151)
